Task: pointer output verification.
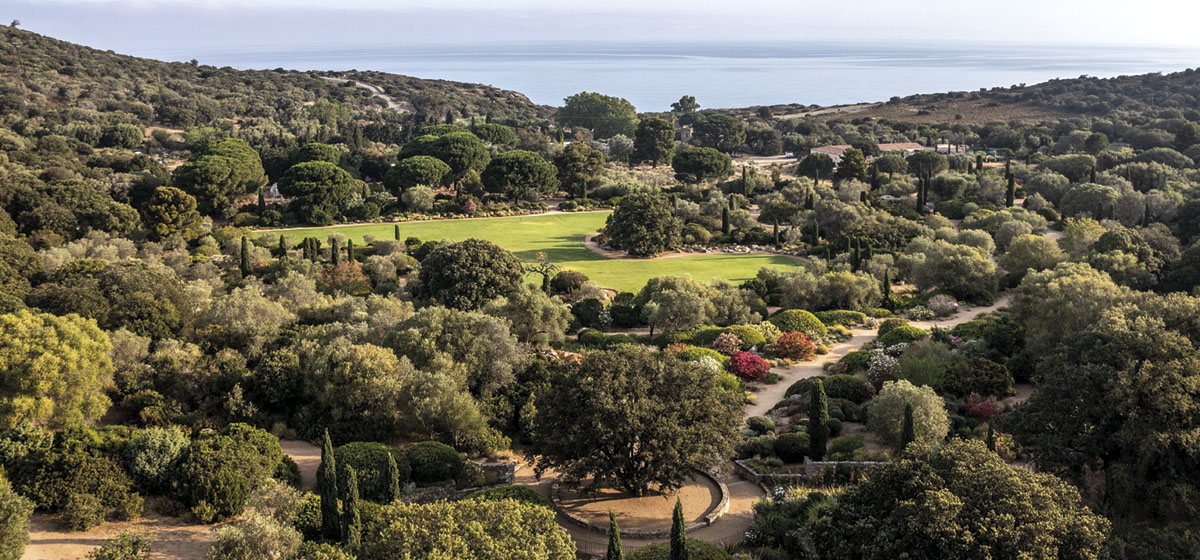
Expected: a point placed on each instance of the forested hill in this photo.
(54, 77)
(1144, 95)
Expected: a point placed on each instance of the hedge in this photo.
(792, 447)
(432, 461)
(799, 320)
(370, 463)
(696, 550)
(509, 492)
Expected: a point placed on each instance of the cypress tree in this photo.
(991, 438)
(614, 538)
(887, 283)
(282, 246)
(245, 264)
(1092, 175)
(393, 487)
(349, 250)
(351, 517)
(1008, 168)
(818, 422)
(396, 231)
(1146, 216)
(978, 163)
(262, 200)
(1010, 194)
(732, 206)
(678, 533)
(908, 434)
(809, 202)
(776, 234)
(335, 252)
(327, 487)
(816, 233)
(862, 197)
(725, 220)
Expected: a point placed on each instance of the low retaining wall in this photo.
(709, 518)
(811, 468)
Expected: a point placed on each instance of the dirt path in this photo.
(375, 90)
(768, 395)
(593, 246)
(828, 110)
(307, 456)
(173, 539)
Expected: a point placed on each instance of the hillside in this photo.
(1084, 96)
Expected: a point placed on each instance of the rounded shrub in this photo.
(509, 492)
(15, 510)
(835, 427)
(794, 346)
(902, 334)
(695, 354)
(890, 323)
(792, 447)
(567, 281)
(761, 446)
(840, 386)
(749, 366)
(799, 320)
(370, 463)
(322, 551)
(81, 513)
(696, 550)
(977, 375)
(750, 335)
(856, 360)
(152, 454)
(432, 461)
(760, 425)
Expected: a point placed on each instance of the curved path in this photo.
(375, 90)
(768, 395)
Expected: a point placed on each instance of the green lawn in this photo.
(561, 236)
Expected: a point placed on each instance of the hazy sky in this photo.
(155, 27)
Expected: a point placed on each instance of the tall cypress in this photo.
(908, 434)
(393, 487)
(810, 201)
(887, 283)
(349, 250)
(262, 200)
(978, 164)
(1010, 194)
(776, 233)
(678, 533)
(614, 538)
(991, 438)
(245, 264)
(725, 220)
(1092, 175)
(335, 252)
(396, 231)
(818, 422)
(351, 517)
(327, 487)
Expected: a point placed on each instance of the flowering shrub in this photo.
(984, 409)
(896, 349)
(943, 305)
(727, 343)
(749, 366)
(920, 313)
(769, 331)
(470, 207)
(675, 348)
(883, 368)
(710, 363)
(794, 346)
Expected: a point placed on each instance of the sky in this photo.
(155, 27)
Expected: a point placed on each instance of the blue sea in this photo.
(652, 75)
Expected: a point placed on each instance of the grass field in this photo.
(561, 236)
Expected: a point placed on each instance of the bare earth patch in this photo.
(173, 539)
(651, 512)
(307, 456)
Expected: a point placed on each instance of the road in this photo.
(375, 90)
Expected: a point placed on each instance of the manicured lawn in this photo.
(560, 236)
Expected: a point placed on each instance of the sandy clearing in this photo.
(307, 456)
(173, 538)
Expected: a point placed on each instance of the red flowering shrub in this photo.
(676, 348)
(984, 409)
(470, 207)
(794, 346)
(748, 366)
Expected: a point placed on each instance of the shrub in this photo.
(748, 366)
(792, 447)
(288, 472)
(696, 550)
(369, 460)
(761, 446)
(255, 538)
(220, 470)
(794, 346)
(81, 512)
(977, 375)
(888, 324)
(278, 501)
(841, 317)
(856, 360)
(432, 461)
(321, 551)
(902, 334)
(152, 454)
(727, 343)
(798, 320)
(308, 516)
(509, 492)
(567, 281)
(52, 479)
(768, 330)
(589, 312)
(695, 354)
(835, 426)
(942, 305)
(125, 546)
(760, 425)
(840, 386)
(750, 335)
(15, 510)
(885, 416)
(843, 448)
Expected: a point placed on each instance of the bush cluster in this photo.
(799, 320)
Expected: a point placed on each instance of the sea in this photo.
(720, 75)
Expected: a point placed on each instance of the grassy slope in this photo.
(561, 236)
